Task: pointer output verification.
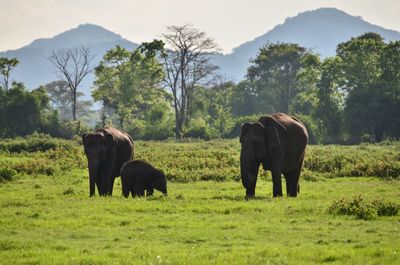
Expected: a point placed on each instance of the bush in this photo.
(197, 129)
(363, 209)
(7, 174)
(386, 208)
(356, 206)
(32, 143)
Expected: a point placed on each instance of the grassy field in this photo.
(47, 216)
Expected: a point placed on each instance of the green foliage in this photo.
(354, 161)
(22, 111)
(33, 143)
(386, 208)
(197, 129)
(219, 109)
(274, 72)
(6, 65)
(239, 121)
(130, 82)
(356, 206)
(362, 208)
(7, 174)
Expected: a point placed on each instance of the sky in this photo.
(229, 22)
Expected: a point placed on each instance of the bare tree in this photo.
(187, 65)
(73, 65)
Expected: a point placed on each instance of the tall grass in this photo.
(191, 161)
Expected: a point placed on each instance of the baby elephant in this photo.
(137, 176)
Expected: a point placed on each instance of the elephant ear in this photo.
(272, 137)
(109, 140)
(245, 128)
(83, 137)
(269, 121)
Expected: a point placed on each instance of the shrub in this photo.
(32, 143)
(363, 209)
(386, 208)
(7, 174)
(197, 129)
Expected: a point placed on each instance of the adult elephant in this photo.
(106, 149)
(278, 142)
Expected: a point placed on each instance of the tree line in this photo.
(170, 88)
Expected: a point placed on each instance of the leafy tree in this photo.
(6, 65)
(22, 112)
(274, 73)
(130, 82)
(360, 60)
(61, 100)
(219, 108)
(370, 80)
(248, 99)
(331, 99)
(390, 63)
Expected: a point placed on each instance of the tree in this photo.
(61, 100)
(274, 73)
(328, 111)
(390, 63)
(370, 76)
(130, 82)
(249, 99)
(6, 65)
(219, 108)
(73, 65)
(22, 112)
(360, 60)
(187, 65)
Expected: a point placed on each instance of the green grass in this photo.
(49, 219)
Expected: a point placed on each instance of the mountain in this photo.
(35, 69)
(320, 30)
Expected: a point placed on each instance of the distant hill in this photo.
(321, 30)
(34, 68)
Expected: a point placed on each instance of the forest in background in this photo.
(169, 88)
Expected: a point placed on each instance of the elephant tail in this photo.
(298, 188)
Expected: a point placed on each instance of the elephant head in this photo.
(159, 181)
(98, 147)
(260, 141)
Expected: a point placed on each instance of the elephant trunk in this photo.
(248, 171)
(94, 166)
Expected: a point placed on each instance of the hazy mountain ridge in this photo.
(35, 69)
(320, 30)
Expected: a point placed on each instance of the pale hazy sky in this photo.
(229, 22)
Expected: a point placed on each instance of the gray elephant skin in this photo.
(106, 149)
(278, 142)
(138, 176)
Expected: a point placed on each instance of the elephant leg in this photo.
(107, 180)
(139, 190)
(276, 183)
(292, 182)
(111, 187)
(250, 184)
(99, 185)
(125, 190)
(149, 192)
(92, 183)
